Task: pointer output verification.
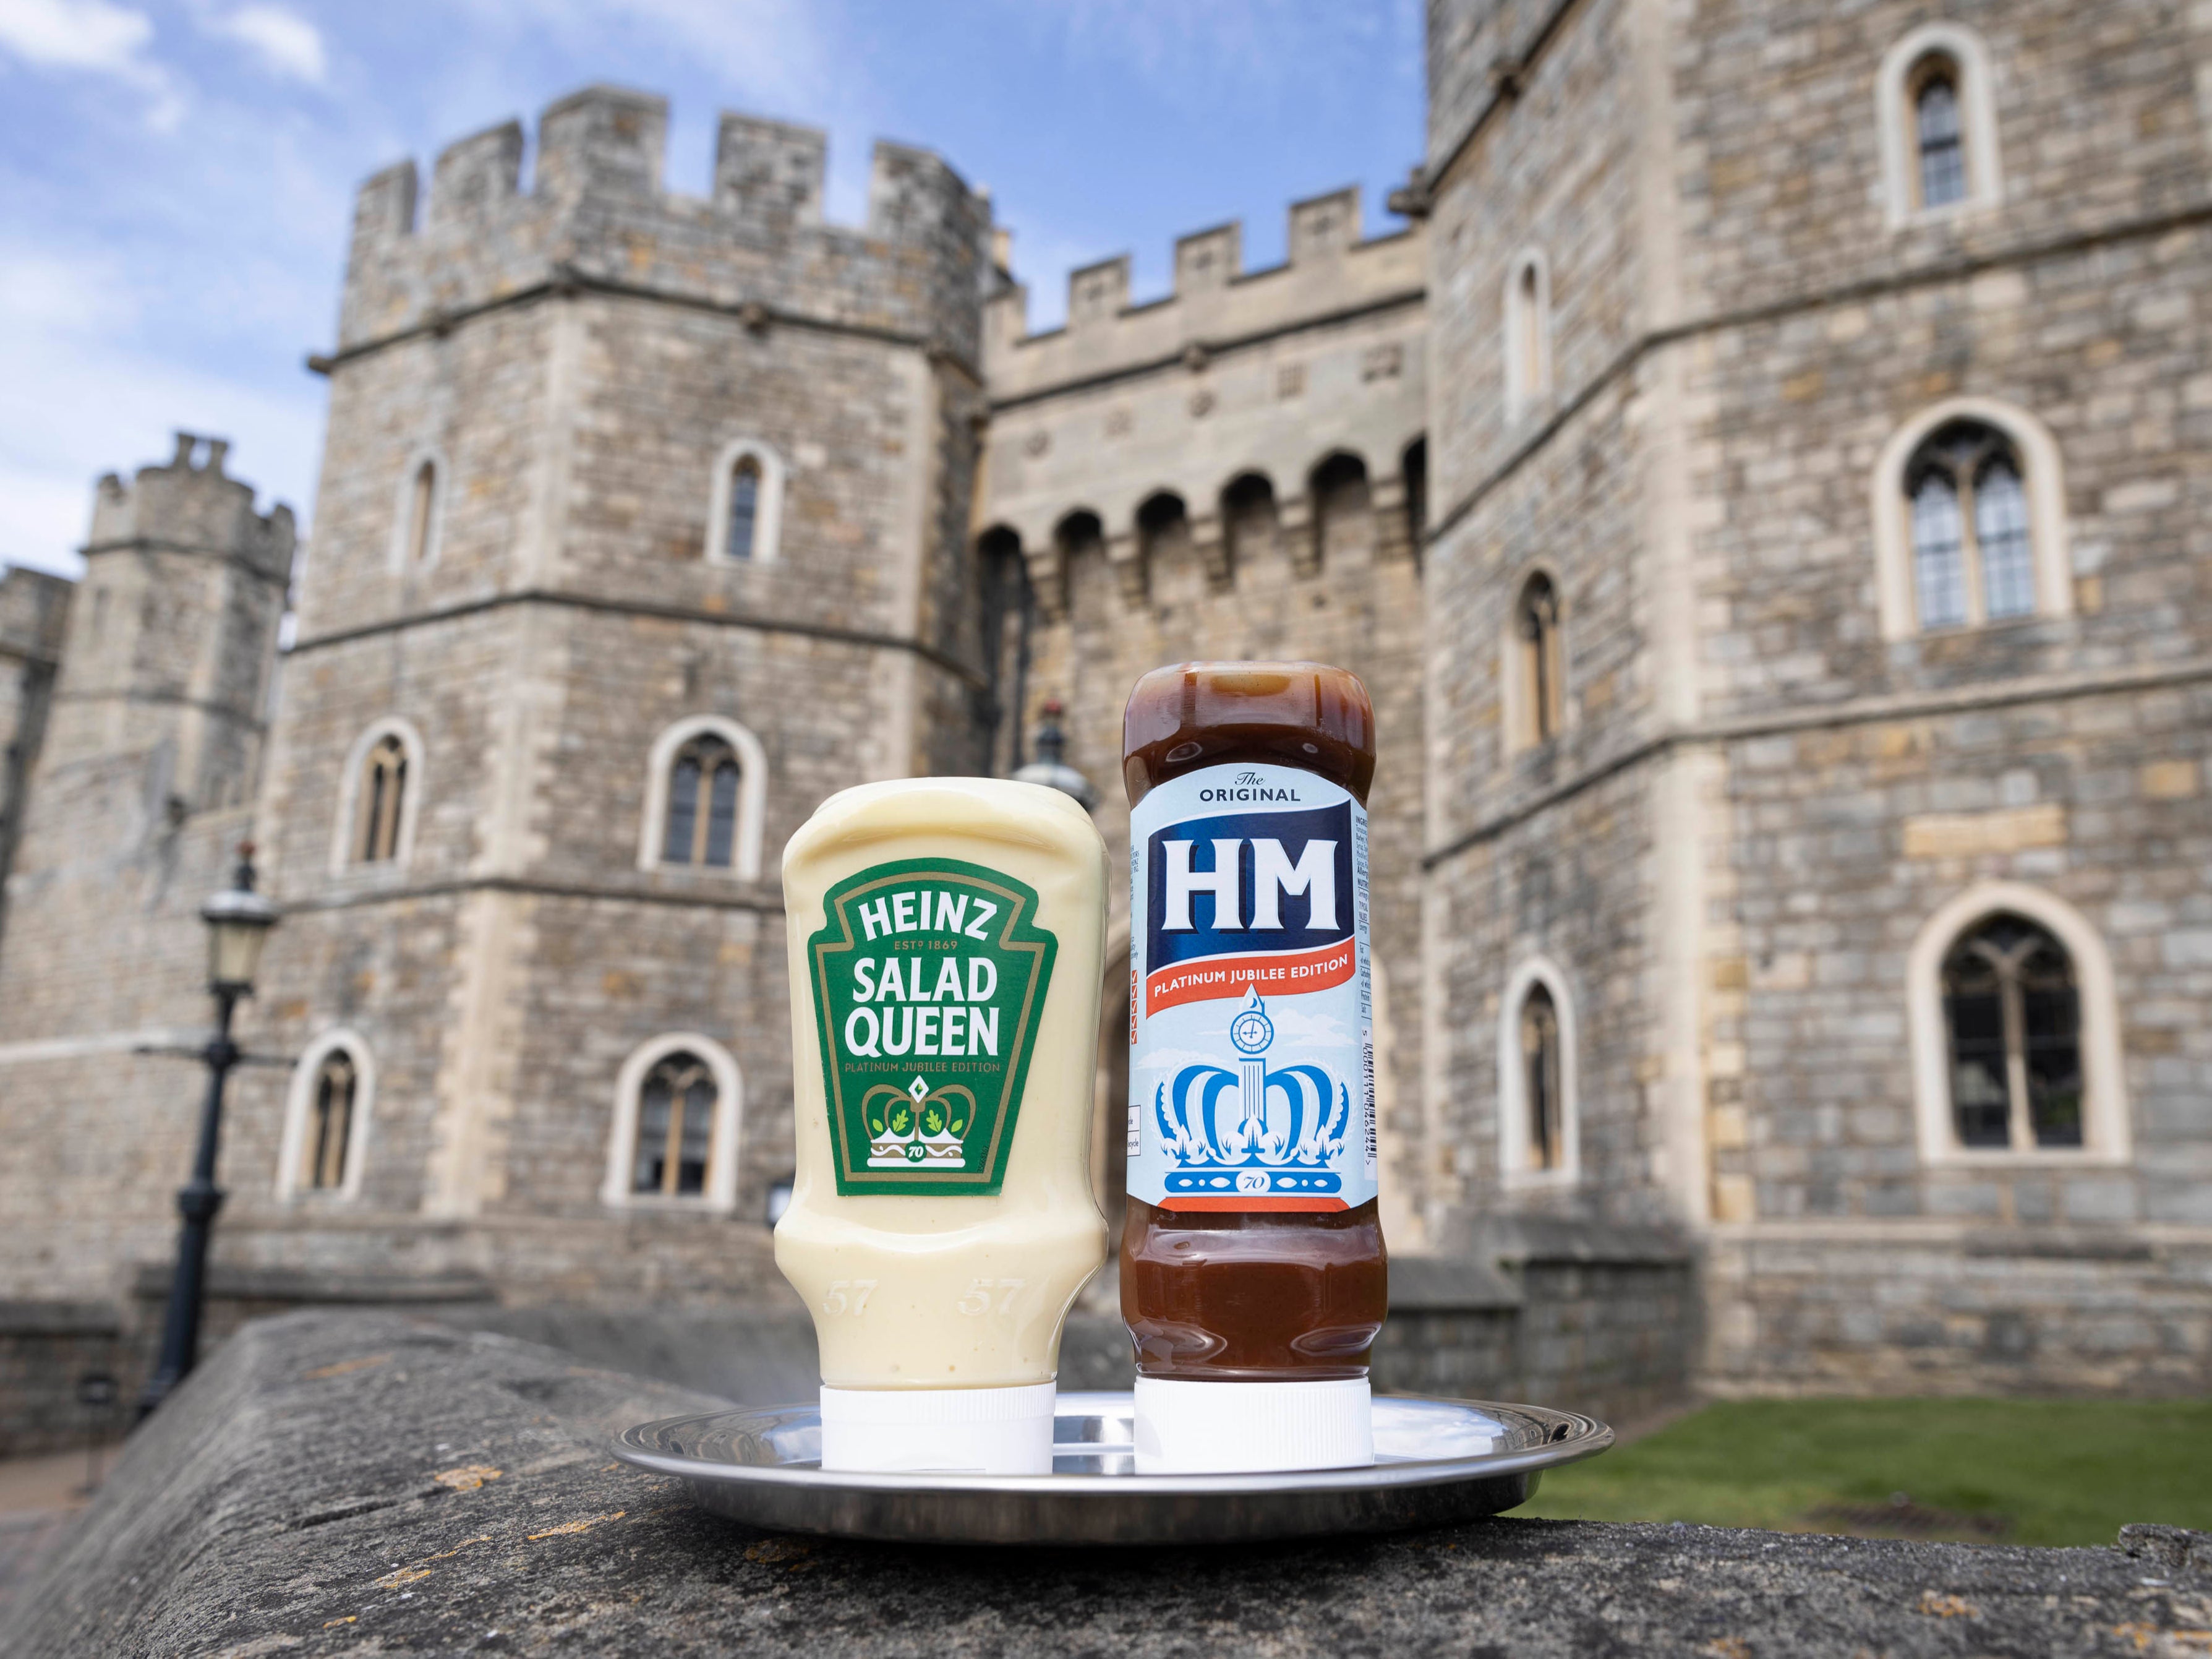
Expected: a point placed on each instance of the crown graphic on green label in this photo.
(929, 982)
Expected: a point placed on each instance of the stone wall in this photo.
(33, 622)
(1785, 781)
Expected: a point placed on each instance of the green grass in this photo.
(2021, 1471)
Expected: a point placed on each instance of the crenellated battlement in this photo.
(595, 213)
(190, 504)
(1329, 271)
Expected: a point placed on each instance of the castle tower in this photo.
(1233, 470)
(1818, 720)
(143, 784)
(642, 528)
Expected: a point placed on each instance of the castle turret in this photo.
(143, 785)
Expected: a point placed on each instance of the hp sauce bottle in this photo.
(1253, 1273)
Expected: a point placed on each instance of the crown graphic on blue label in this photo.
(1249, 1086)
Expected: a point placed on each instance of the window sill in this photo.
(654, 1204)
(1539, 1180)
(2071, 1157)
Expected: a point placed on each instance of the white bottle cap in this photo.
(938, 1430)
(1248, 1428)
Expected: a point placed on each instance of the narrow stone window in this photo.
(1541, 1068)
(675, 1127)
(328, 1108)
(2014, 1014)
(1938, 133)
(421, 510)
(702, 805)
(744, 507)
(1536, 633)
(1935, 101)
(330, 1128)
(1972, 556)
(2000, 531)
(383, 800)
(1528, 335)
(744, 503)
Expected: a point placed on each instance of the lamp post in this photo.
(1050, 768)
(238, 923)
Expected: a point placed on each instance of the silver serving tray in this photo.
(1437, 1461)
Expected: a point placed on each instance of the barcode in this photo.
(1367, 1075)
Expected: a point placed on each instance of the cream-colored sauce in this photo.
(928, 1292)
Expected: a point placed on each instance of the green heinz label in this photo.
(929, 982)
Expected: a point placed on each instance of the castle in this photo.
(1763, 485)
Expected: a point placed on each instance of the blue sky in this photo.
(175, 179)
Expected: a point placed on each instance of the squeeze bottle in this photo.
(1254, 1278)
(945, 954)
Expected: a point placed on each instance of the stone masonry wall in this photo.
(34, 621)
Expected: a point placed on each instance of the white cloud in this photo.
(75, 35)
(285, 44)
(95, 37)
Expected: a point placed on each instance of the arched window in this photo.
(383, 800)
(705, 799)
(423, 497)
(1539, 1141)
(417, 511)
(679, 1113)
(702, 805)
(675, 1127)
(1969, 519)
(1413, 467)
(1938, 139)
(2015, 1020)
(1527, 337)
(1343, 515)
(2015, 1032)
(745, 510)
(326, 1117)
(330, 1121)
(1972, 560)
(1248, 523)
(1938, 125)
(379, 799)
(1535, 699)
(1539, 1073)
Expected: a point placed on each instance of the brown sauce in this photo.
(1251, 1296)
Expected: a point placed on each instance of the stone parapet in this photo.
(596, 216)
(1331, 273)
(365, 1483)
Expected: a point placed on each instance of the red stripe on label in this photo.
(1277, 974)
(1244, 1201)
